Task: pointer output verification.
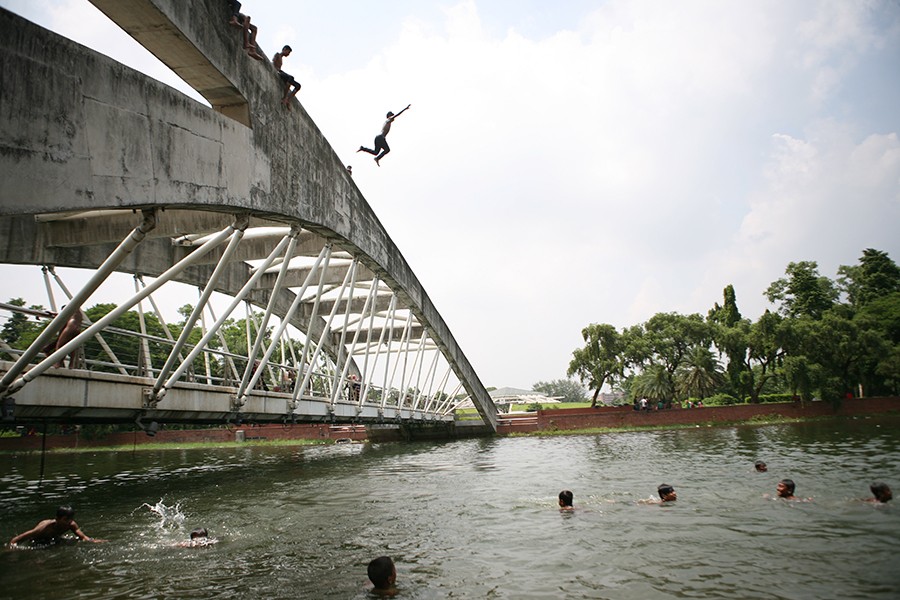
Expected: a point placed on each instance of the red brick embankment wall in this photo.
(625, 416)
(563, 418)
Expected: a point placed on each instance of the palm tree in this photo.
(654, 383)
(700, 375)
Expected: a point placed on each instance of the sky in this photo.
(585, 161)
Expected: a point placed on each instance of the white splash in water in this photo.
(169, 516)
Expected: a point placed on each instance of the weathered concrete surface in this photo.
(81, 132)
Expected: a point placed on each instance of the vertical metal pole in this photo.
(49, 288)
(147, 365)
(205, 354)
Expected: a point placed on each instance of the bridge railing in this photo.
(141, 355)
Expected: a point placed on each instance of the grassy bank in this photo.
(755, 421)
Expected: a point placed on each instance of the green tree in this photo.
(874, 277)
(730, 332)
(803, 292)
(766, 340)
(700, 375)
(566, 389)
(670, 337)
(599, 361)
(654, 383)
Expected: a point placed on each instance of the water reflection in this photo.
(474, 518)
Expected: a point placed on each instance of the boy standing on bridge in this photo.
(381, 139)
(289, 83)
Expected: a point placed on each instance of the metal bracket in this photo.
(148, 398)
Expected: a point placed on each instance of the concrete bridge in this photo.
(106, 169)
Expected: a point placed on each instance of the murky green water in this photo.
(474, 519)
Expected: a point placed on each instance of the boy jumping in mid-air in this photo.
(291, 87)
(381, 139)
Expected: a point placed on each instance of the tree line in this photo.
(824, 338)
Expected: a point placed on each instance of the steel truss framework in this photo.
(345, 347)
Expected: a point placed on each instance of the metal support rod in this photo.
(417, 367)
(261, 330)
(340, 365)
(425, 389)
(308, 333)
(404, 337)
(203, 331)
(370, 301)
(435, 398)
(325, 330)
(251, 283)
(446, 407)
(145, 345)
(49, 287)
(324, 254)
(339, 370)
(367, 383)
(9, 381)
(118, 311)
(239, 227)
(403, 381)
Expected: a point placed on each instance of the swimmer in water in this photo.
(760, 466)
(785, 490)
(882, 493)
(50, 531)
(565, 500)
(666, 495)
(199, 537)
(383, 575)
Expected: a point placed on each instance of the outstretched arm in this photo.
(402, 111)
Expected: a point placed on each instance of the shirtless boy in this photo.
(50, 531)
(381, 144)
(565, 500)
(291, 87)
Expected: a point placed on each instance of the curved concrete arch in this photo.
(83, 133)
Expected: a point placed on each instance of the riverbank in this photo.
(557, 421)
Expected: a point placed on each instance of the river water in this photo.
(472, 518)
